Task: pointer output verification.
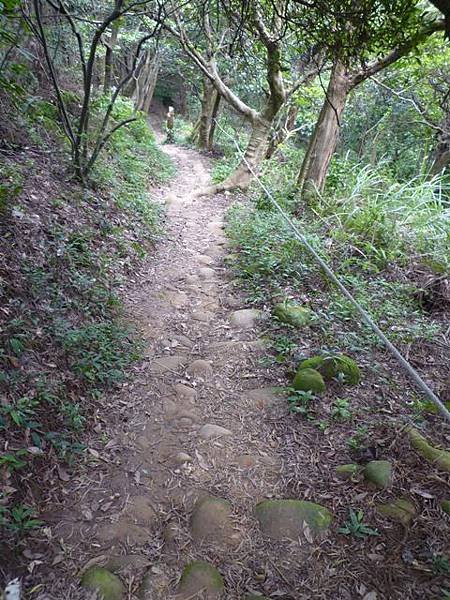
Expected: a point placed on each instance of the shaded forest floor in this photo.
(200, 433)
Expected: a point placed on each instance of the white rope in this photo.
(420, 383)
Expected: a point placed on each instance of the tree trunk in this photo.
(215, 112)
(146, 82)
(202, 129)
(283, 131)
(323, 141)
(441, 154)
(253, 156)
(441, 161)
(151, 83)
(109, 57)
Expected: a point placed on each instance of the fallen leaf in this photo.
(307, 533)
(201, 461)
(87, 514)
(62, 474)
(422, 493)
(58, 558)
(97, 560)
(93, 453)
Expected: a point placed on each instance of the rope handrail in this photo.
(420, 383)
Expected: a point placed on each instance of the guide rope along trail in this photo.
(419, 382)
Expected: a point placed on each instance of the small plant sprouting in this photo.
(440, 565)
(357, 440)
(300, 402)
(19, 519)
(284, 346)
(356, 527)
(341, 410)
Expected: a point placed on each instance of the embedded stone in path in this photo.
(255, 597)
(165, 364)
(191, 278)
(210, 431)
(400, 510)
(123, 531)
(245, 318)
(378, 472)
(200, 369)
(292, 519)
(348, 471)
(215, 226)
(200, 580)
(175, 412)
(206, 272)
(176, 299)
(141, 512)
(211, 521)
(205, 260)
(204, 316)
(262, 397)
(182, 457)
(214, 251)
(107, 585)
(127, 561)
(184, 393)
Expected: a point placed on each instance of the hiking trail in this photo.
(194, 446)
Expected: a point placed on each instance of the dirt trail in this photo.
(194, 447)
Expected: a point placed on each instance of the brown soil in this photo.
(129, 505)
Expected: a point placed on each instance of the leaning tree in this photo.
(210, 34)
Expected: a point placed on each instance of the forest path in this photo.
(195, 444)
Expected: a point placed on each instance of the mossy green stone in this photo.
(200, 576)
(445, 505)
(293, 314)
(378, 472)
(107, 585)
(347, 471)
(400, 510)
(309, 380)
(441, 458)
(332, 366)
(281, 519)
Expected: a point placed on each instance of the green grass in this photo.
(362, 229)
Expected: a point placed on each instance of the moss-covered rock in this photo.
(330, 366)
(309, 380)
(441, 458)
(293, 314)
(281, 519)
(445, 505)
(400, 510)
(107, 585)
(348, 471)
(211, 521)
(200, 577)
(378, 472)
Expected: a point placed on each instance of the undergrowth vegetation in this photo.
(65, 252)
(375, 233)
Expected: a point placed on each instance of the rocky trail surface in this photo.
(191, 496)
